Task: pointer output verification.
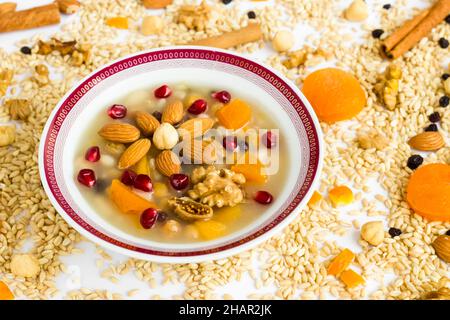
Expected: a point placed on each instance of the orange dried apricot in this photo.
(210, 229)
(315, 198)
(252, 172)
(5, 292)
(126, 200)
(142, 166)
(341, 262)
(235, 114)
(334, 94)
(351, 278)
(340, 195)
(118, 22)
(227, 214)
(428, 191)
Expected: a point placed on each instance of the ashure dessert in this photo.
(178, 164)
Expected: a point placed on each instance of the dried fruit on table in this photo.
(7, 135)
(340, 195)
(19, 109)
(152, 25)
(387, 86)
(252, 172)
(5, 292)
(442, 247)
(341, 262)
(372, 140)
(134, 153)
(194, 128)
(210, 229)
(126, 200)
(351, 279)
(373, 232)
(165, 136)
(334, 94)
(188, 209)
(167, 163)
(428, 191)
(68, 6)
(315, 198)
(235, 114)
(194, 17)
(119, 132)
(25, 265)
(427, 141)
(441, 290)
(41, 74)
(295, 59)
(117, 22)
(156, 4)
(146, 122)
(6, 77)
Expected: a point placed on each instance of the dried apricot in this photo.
(340, 195)
(428, 191)
(126, 200)
(5, 292)
(351, 278)
(252, 172)
(118, 22)
(334, 94)
(235, 114)
(341, 262)
(210, 229)
(315, 198)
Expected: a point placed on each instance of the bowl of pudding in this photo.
(181, 154)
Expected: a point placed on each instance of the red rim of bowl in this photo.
(294, 96)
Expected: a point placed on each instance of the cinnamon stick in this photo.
(31, 18)
(434, 16)
(7, 7)
(250, 33)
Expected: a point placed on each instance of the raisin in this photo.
(414, 161)
(435, 117)
(387, 6)
(448, 233)
(443, 43)
(25, 50)
(377, 33)
(394, 232)
(162, 216)
(226, 1)
(251, 15)
(447, 19)
(432, 127)
(444, 101)
(445, 76)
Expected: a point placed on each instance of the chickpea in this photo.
(171, 227)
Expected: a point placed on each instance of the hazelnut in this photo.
(152, 25)
(165, 136)
(373, 232)
(25, 265)
(283, 41)
(7, 135)
(357, 11)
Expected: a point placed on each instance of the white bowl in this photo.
(212, 67)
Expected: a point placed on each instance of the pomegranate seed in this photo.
(179, 181)
(148, 218)
(269, 139)
(229, 143)
(263, 197)
(87, 177)
(143, 182)
(163, 92)
(198, 106)
(128, 177)
(117, 111)
(222, 96)
(92, 154)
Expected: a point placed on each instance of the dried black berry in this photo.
(414, 161)
(101, 185)
(162, 216)
(226, 1)
(394, 232)
(377, 33)
(387, 6)
(431, 127)
(25, 50)
(251, 15)
(447, 19)
(434, 117)
(448, 233)
(443, 43)
(444, 101)
(157, 115)
(445, 76)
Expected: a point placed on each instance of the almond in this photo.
(146, 122)
(120, 132)
(173, 112)
(167, 163)
(442, 247)
(134, 153)
(427, 141)
(195, 127)
(202, 152)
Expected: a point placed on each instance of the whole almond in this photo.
(167, 163)
(134, 153)
(173, 112)
(146, 122)
(120, 132)
(442, 247)
(195, 127)
(427, 141)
